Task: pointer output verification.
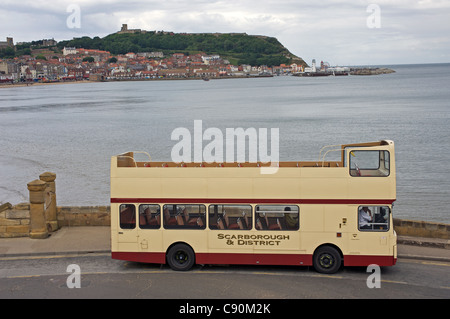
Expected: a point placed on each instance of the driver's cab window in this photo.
(373, 218)
(369, 163)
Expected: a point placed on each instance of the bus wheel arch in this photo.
(327, 259)
(180, 256)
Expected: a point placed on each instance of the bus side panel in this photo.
(254, 259)
(151, 258)
(360, 260)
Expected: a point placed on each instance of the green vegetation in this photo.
(89, 59)
(7, 53)
(25, 49)
(238, 48)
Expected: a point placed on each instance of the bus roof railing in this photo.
(130, 155)
(128, 160)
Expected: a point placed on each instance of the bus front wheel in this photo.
(181, 257)
(327, 260)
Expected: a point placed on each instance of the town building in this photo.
(69, 50)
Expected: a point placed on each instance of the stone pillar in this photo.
(38, 226)
(50, 201)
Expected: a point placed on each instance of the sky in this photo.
(340, 32)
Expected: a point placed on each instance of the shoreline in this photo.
(31, 84)
(353, 71)
(17, 85)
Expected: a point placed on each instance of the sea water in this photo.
(74, 129)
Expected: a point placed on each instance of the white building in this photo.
(210, 58)
(312, 68)
(69, 50)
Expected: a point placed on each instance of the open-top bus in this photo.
(323, 213)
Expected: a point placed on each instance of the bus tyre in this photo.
(327, 260)
(181, 257)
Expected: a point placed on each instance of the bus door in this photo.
(127, 235)
(150, 228)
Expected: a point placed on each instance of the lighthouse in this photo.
(313, 65)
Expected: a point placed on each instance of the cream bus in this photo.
(325, 214)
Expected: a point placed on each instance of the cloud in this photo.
(332, 30)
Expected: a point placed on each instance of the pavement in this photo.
(97, 239)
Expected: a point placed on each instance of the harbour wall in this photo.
(15, 221)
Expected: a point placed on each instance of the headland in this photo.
(134, 54)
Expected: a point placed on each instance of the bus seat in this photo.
(180, 221)
(273, 226)
(279, 224)
(200, 222)
(127, 218)
(240, 223)
(220, 224)
(145, 217)
(158, 219)
(143, 220)
(188, 219)
(155, 220)
(247, 220)
(259, 225)
(168, 220)
(228, 224)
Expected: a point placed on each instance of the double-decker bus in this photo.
(325, 214)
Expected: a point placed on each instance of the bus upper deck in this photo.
(366, 171)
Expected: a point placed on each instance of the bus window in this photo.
(277, 217)
(149, 216)
(237, 217)
(180, 216)
(373, 218)
(369, 163)
(127, 214)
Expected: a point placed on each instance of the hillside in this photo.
(238, 48)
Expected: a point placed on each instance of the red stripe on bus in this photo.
(150, 258)
(255, 259)
(364, 260)
(251, 201)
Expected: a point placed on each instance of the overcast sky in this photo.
(341, 32)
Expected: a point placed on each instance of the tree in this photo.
(7, 53)
(89, 59)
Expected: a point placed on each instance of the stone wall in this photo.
(35, 219)
(84, 216)
(416, 228)
(14, 220)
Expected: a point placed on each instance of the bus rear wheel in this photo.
(327, 260)
(181, 257)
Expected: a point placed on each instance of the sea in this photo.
(74, 129)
